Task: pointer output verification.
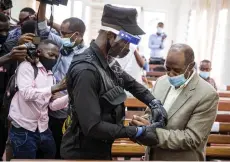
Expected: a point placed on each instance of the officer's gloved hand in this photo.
(159, 114)
(146, 135)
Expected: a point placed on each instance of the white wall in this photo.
(176, 13)
(20, 4)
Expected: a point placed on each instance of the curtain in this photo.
(202, 32)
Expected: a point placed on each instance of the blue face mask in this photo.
(204, 74)
(177, 81)
(66, 42)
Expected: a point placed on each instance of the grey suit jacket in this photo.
(190, 120)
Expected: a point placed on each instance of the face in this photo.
(23, 16)
(67, 33)
(4, 28)
(49, 51)
(204, 66)
(117, 48)
(175, 64)
(160, 26)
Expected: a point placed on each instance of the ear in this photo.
(111, 37)
(39, 52)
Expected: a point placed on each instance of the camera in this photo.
(55, 2)
(5, 4)
(31, 50)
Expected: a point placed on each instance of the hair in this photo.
(187, 50)
(46, 42)
(3, 18)
(206, 61)
(28, 9)
(28, 26)
(76, 24)
(160, 23)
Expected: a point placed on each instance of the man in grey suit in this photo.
(191, 104)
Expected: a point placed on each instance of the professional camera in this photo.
(55, 2)
(31, 50)
(5, 4)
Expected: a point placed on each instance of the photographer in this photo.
(8, 64)
(71, 43)
(34, 93)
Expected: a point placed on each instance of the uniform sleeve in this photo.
(86, 101)
(137, 89)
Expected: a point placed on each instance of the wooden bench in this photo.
(224, 103)
(125, 147)
(224, 94)
(155, 74)
(218, 146)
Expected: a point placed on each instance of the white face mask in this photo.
(160, 30)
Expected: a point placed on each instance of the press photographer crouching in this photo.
(29, 106)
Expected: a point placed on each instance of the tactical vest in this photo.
(111, 99)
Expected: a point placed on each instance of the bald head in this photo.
(180, 60)
(184, 49)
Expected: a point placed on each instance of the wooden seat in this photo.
(224, 94)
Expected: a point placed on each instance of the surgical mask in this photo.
(204, 74)
(178, 80)
(160, 30)
(66, 42)
(48, 63)
(3, 38)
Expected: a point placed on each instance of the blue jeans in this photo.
(25, 143)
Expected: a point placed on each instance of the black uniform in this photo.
(6, 71)
(97, 106)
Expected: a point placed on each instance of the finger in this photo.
(137, 123)
(19, 51)
(139, 118)
(29, 35)
(27, 38)
(21, 47)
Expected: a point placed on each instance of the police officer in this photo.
(96, 83)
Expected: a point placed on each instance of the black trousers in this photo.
(55, 126)
(3, 137)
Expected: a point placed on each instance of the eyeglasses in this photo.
(65, 33)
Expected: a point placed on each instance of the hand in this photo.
(59, 87)
(148, 137)
(139, 121)
(18, 53)
(26, 38)
(56, 96)
(163, 37)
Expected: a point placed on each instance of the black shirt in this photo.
(6, 71)
(85, 81)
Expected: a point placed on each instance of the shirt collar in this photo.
(99, 54)
(186, 83)
(40, 66)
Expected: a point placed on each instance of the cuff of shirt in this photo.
(46, 92)
(42, 25)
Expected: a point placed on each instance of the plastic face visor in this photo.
(129, 38)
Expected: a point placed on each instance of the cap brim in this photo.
(134, 29)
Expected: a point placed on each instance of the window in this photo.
(60, 13)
